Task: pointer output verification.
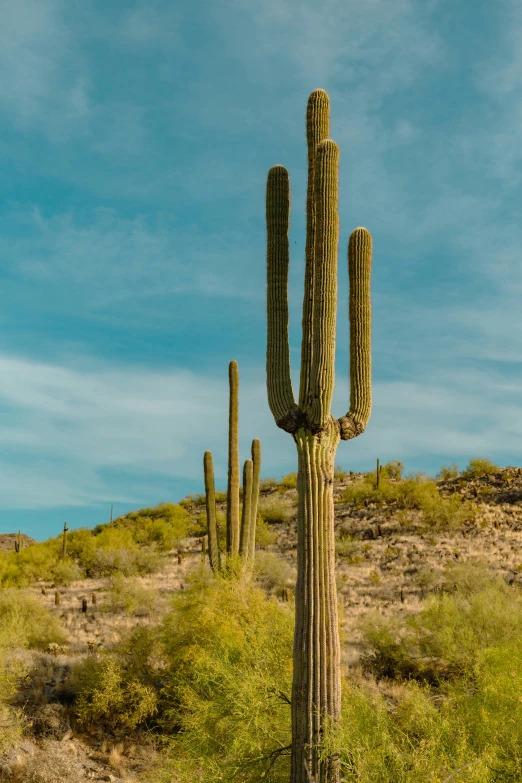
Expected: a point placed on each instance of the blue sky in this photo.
(135, 142)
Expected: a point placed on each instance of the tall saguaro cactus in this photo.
(240, 537)
(316, 688)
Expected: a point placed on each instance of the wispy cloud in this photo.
(79, 422)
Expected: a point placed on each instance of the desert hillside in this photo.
(394, 546)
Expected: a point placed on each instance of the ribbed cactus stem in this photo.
(316, 688)
(246, 509)
(321, 379)
(233, 462)
(317, 129)
(210, 499)
(256, 472)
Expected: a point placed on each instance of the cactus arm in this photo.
(256, 472)
(210, 497)
(360, 308)
(321, 380)
(233, 462)
(245, 513)
(279, 384)
(317, 129)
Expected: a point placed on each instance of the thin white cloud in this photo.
(77, 422)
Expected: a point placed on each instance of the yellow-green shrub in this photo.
(107, 696)
(479, 467)
(230, 653)
(126, 595)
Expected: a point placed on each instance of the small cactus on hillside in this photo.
(18, 543)
(240, 537)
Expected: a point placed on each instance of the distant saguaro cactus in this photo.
(240, 538)
(18, 543)
(64, 541)
(316, 689)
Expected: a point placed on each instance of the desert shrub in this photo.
(126, 595)
(458, 675)
(65, 571)
(349, 549)
(230, 653)
(81, 546)
(106, 695)
(25, 622)
(475, 610)
(415, 492)
(109, 561)
(339, 472)
(476, 468)
(148, 560)
(448, 472)
(264, 536)
(31, 564)
(197, 499)
(267, 484)
(289, 481)
(273, 571)
(393, 469)
(273, 512)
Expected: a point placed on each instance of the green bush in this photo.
(26, 623)
(65, 571)
(126, 595)
(339, 473)
(230, 655)
(267, 484)
(448, 472)
(272, 571)
(415, 492)
(273, 512)
(106, 696)
(458, 676)
(264, 536)
(479, 467)
(289, 481)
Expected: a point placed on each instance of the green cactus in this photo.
(256, 471)
(244, 547)
(240, 538)
(233, 462)
(64, 541)
(316, 689)
(18, 543)
(210, 497)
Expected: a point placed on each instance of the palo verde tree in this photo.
(241, 538)
(316, 688)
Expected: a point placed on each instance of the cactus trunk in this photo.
(316, 688)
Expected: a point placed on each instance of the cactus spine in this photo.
(240, 538)
(316, 688)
